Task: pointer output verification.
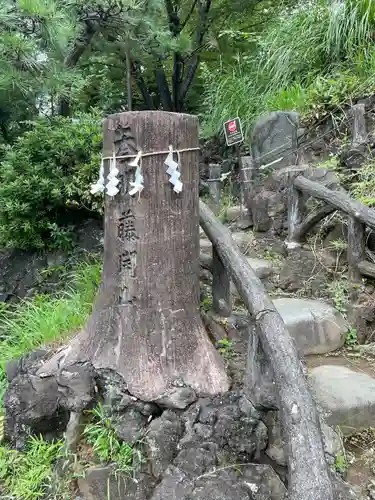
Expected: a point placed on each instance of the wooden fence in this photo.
(309, 478)
(359, 216)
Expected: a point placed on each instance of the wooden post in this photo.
(247, 170)
(145, 328)
(356, 248)
(214, 185)
(221, 294)
(359, 129)
(295, 213)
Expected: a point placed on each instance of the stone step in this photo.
(347, 397)
(316, 326)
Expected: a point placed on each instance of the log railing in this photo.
(309, 478)
(359, 216)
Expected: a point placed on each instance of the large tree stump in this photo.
(146, 325)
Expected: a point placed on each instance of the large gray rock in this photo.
(316, 326)
(347, 397)
(100, 483)
(274, 137)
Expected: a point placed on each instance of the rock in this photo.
(238, 217)
(32, 408)
(163, 435)
(236, 426)
(248, 482)
(275, 448)
(244, 240)
(274, 137)
(101, 483)
(259, 383)
(266, 207)
(175, 485)
(29, 363)
(234, 213)
(197, 461)
(262, 267)
(205, 245)
(345, 491)
(177, 398)
(129, 426)
(346, 396)
(76, 387)
(316, 326)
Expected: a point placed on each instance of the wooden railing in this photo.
(309, 478)
(359, 216)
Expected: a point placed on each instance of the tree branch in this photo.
(140, 81)
(200, 33)
(188, 16)
(163, 87)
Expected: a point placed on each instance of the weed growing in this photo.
(106, 446)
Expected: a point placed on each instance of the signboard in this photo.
(233, 131)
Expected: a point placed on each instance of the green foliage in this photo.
(45, 181)
(351, 338)
(339, 290)
(341, 464)
(45, 318)
(225, 348)
(363, 187)
(206, 304)
(105, 443)
(311, 57)
(27, 475)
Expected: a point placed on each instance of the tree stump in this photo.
(146, 326)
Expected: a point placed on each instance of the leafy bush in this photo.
(45, 181)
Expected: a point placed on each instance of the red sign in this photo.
(233, 131)
(232, 127)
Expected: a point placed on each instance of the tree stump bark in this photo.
(146, 326)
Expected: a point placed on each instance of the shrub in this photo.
(45, 181)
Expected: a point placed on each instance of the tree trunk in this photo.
(129, 88)
(146, 325)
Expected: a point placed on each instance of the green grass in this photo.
(27, 475)
(106, 446)
(314, 58)
(45, 318)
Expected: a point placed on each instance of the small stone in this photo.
(197, 461)
(244, 240)
(177, 398)
(161, 440)
(175, 485)
(129, 426)
(204, 431)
